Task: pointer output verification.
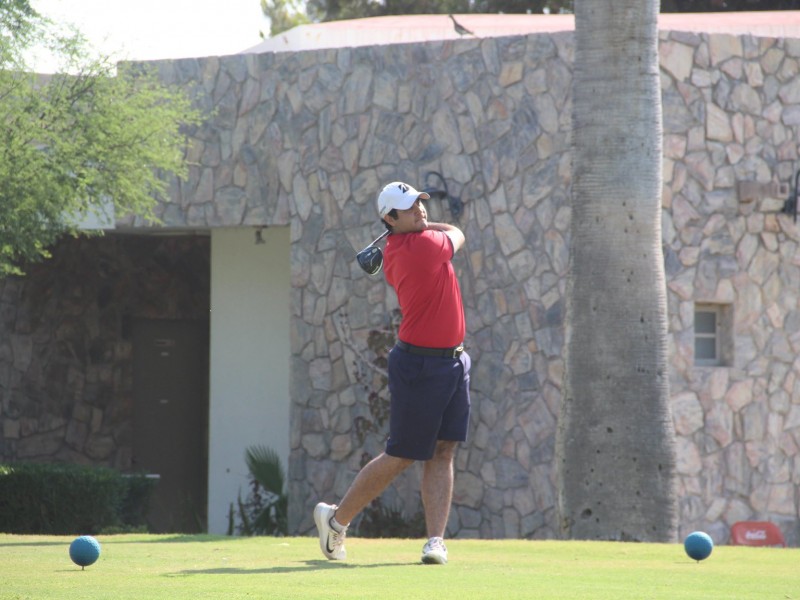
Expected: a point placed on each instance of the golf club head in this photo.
(371, 260)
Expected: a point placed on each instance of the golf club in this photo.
(371, 258)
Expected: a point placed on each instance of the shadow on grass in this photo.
(309, 565)
(177, 538)
(35, 544)
(166, 538)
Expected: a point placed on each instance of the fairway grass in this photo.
(177, 567)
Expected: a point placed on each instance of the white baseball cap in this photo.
(398, 195)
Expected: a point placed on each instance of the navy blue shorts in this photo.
(429, 402)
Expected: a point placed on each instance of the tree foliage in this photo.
(81, 138)
(674, 6)
(285, 14)
(334, 10)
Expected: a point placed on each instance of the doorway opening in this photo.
(170, 424)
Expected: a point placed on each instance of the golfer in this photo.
(428, 374)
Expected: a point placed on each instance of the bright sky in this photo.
(155, 29)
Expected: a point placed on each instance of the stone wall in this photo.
(322, 131)
(65, 354)
(328, 128)
(307, 139)
(731, 114)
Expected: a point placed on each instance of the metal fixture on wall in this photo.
(440, 193)
(790, 206)
(773, 197)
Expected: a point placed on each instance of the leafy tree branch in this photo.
(88, 135)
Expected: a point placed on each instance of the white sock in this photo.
(337, 526)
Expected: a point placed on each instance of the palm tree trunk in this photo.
(615, 442)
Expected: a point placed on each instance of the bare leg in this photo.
(437, 488)
(369, 484)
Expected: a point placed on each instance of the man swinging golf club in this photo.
(428, 374)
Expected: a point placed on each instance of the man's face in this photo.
(409, 220)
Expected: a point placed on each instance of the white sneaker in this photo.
(331, 542)
(434, 552)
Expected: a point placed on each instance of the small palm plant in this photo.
(266, 509)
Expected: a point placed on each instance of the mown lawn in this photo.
(151, 567)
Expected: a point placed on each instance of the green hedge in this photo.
(64, 499)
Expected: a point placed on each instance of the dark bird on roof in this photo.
(460, 29)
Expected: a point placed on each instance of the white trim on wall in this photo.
(249, 362)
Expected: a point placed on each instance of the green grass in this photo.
(195, 567)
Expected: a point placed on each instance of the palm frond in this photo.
(265, 467)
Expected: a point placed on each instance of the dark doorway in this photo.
(170, 427)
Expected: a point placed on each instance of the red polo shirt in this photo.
(418, 267)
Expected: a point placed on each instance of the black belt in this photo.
(453, 352)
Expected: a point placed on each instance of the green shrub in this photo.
(381, 521)
(265, 511)
(135, 501)
(64, 499)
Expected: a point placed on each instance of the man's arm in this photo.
(454, 233)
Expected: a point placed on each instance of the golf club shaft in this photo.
(377, 239)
